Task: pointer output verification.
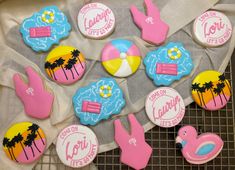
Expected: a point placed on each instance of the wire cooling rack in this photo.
(165, 155)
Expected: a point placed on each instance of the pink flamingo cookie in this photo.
(198, 149)
(36, 99)
(154, 30)
(135, 151)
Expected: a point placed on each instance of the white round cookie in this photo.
(212, 29)
(165, 107)
(77, 146)
(96, 20)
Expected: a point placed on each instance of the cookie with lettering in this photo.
(168, 63)
(24, 142)
(165, 107)
(45, 28)
(212, 29)
(96, 20)
(77, 146)
(98, 101)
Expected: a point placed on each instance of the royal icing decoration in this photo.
(45, 28)
(96, 20)
(77, 146)
(165, 107)
(121, 58)
(24, 142)
(163, 68)
(65, 65)
(198, 149)
(103, 106)
(153, 29)
(135, 151)
(212, 29)
(37, 100)
(211, 90)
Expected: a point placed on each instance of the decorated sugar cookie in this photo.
(98, 100)
(24, 142)
(211, 90)
(77, 146)
(165, 107)
(96, 20)
(65, 65)
(198, 149)
(45, 28)
(212, 29)
(168, 63)
(153, 29)
(121, 58)
(135, 152)
(37, 100)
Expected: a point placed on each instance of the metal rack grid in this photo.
(165, 155)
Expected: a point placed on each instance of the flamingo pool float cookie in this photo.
(198, 149)
(153, 29)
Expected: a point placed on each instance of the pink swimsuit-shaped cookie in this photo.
(154, 30)
(198, 149)
(135, 151)
(36, 99)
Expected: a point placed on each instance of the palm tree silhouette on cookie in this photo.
(75, 53)
(5, 143)
(209, 86)
(18, 139)
(34, 129)
(59, 62)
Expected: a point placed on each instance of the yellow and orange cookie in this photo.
(65, 65)
(24, 142)
(211, 90)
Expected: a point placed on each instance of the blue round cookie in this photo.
(97, 101)
(168, 63)
(45, 28)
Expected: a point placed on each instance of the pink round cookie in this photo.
(165, 107)
(96, 20)
(65, 65)
(24, 142)
(212, 29)
(77, 146)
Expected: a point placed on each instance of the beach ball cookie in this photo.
(77, 146)
(212, 29)
(96, 20)
(211, 90)
(121, 58)
(98, 100)
(45, 28)
(168, 63)
(198, 149)
(65, 65)
(165, 107)
(24, 142)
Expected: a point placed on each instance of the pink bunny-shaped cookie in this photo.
(36, 99)
(154, 30)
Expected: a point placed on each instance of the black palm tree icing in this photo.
(218, 90)
(69, 66)
(19, 139)
(75, 53)
(60, 63)
(24, 142)
(53, 66)
(209, 86)
(48, 67)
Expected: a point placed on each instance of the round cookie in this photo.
(165, 107)
(211, 90)
(168, 63)
(24, 142)
(65, 65)
(98, 101)
(96, 20)
(45, 28)
(121, 58)
(77, 146)
(212, 29)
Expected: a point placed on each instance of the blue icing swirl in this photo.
(60, 28)
(184, 64)
(109, 106)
